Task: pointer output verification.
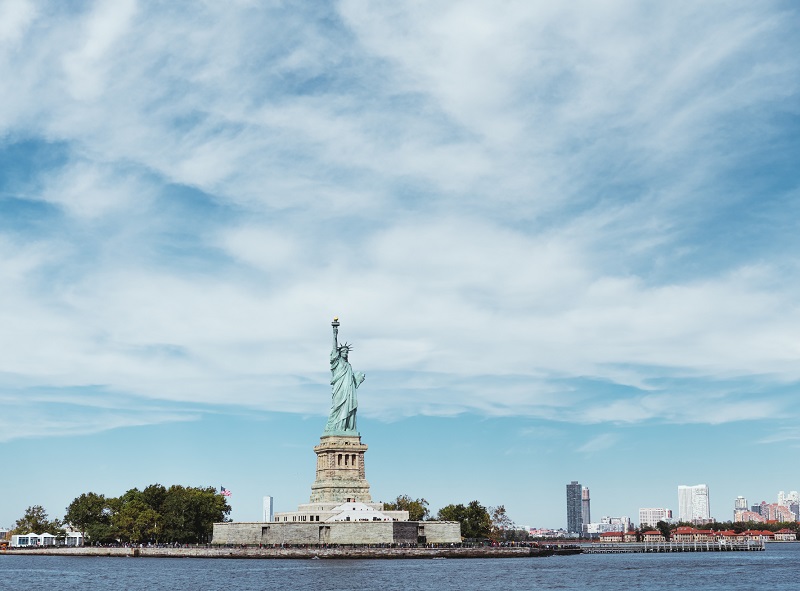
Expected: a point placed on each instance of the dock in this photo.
(657, 547)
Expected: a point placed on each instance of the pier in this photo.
(645, 547)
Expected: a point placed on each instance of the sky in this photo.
(562, 237)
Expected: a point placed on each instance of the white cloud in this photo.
(498, 203)
(89, 65)
(15, 17)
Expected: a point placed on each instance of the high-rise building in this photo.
(586, 513)
(574, 520)
(269, 511)
(651, 517)
(693, 504)
(740, 504)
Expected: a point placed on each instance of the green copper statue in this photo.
(344, 382)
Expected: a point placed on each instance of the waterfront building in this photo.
(574, 508)
(594, 530)
(586, 513)
(693, 503)
(547, 533)
(785, 535)
(613, 537)
(73, 538)
(758, 536)
(653, 536)
(651, 516)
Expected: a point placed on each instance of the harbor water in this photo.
(776, 569)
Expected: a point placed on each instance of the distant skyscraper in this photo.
(740, 504)
(586, 512)
(574, 520)
(693, 504)
(269, 511)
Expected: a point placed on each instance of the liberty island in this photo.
(340, 510)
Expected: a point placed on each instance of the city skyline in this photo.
(561, 236)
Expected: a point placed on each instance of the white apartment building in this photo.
(693, 503)
(652, 516)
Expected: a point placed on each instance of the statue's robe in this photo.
(344, 401)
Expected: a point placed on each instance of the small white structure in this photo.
(24, 540)
(354, 511)
(45, 539)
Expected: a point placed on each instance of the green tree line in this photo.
(477, 522)
(178, 514)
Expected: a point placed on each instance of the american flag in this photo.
(224, 491)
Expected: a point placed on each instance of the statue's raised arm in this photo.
(344, 382)
(335, 325)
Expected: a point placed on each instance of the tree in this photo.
(417, 508)
(664, 528)
(136, 522)
(189, 513)
(35, 520)
(178, 514)
(474, 519)
(89, 512)
(502, 525)
(154, 496)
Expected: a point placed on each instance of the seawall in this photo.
(300, 553)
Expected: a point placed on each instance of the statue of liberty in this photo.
(344, 382)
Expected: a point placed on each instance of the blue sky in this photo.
(563, 238)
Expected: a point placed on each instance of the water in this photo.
(777, 569)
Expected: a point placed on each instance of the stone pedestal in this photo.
(340, 470)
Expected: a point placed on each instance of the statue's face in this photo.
(343, 353)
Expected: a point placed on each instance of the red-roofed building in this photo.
(785, 535)
(653, 536)
(758, 536)
(612, 537)
(684, 534)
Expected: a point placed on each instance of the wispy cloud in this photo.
(599, 443)
(545, 211)
(787, 435)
